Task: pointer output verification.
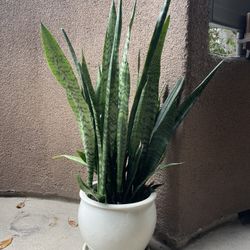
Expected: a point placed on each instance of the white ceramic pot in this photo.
(117, 227)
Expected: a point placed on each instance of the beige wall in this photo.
(36, 122)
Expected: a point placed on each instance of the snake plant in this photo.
(122, 150)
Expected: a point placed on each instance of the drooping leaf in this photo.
(153, 186)
(72, 158)
(168, 165)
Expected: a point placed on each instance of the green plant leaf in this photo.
(134, 170)
(151, 51)
(88, 190)
(71, 49)
(168, 120)
(149, 101)
(124, 91)
(155, 186)
(111, 108)
(83, 73)
(96, 129)
(98, 96)
(72, 158)
(81, 154)
(87, 80)
(168, 165)
(161, 133)
(192, 98)
(89, 95)
(64, 74)
(173, 96)
(138, 67)
(98, 81)
(107, 51)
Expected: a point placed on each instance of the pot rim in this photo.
(134, 205)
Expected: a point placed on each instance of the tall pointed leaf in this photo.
(138, 67)
(111, 104)
(192, 98)
(98, 82)
(151, 51)
(162, 132)
(124, 91)
(96, 122)
(83, 72)
(64, 74)
(134, 171)
(86, 85)
(89, 94)
(98, 95)
(173, 95)
(107, 51)
(148, 105)
(87, 79)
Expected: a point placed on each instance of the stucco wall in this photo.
(36, 122)
(213, 143)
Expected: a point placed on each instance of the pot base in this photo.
(85, 247)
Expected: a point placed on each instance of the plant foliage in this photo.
(123, 150)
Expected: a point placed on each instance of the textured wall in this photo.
(213, 143)
(36, 122)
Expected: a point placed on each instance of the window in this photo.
(222, 41)
(230, 14)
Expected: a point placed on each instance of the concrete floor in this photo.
(40, 225)
(230, 236)
(43, 224)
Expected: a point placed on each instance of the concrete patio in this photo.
(41, 224)
(45, 224)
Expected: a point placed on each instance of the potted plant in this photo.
(122, 150)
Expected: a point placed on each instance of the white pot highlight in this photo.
(117, 227)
